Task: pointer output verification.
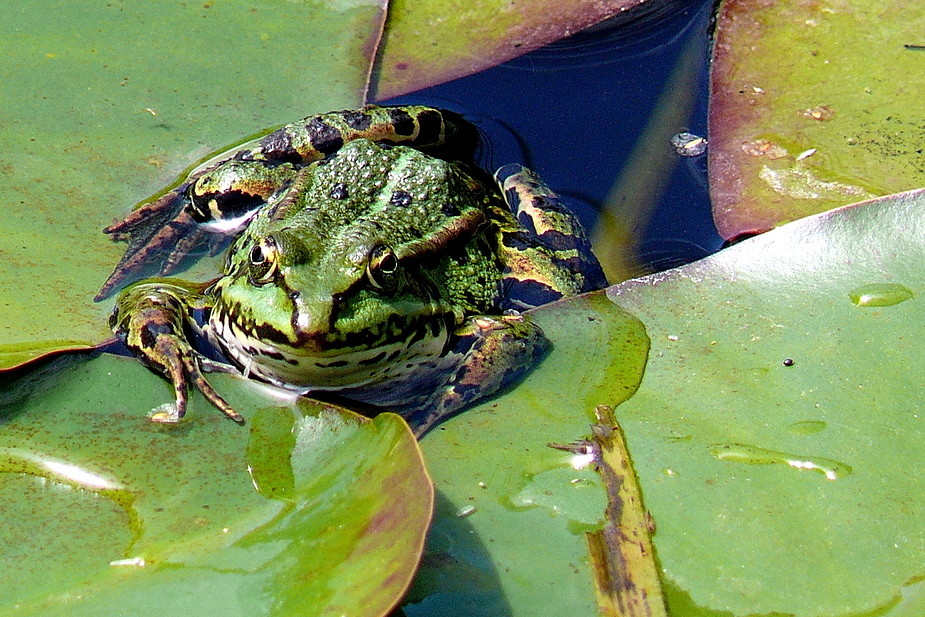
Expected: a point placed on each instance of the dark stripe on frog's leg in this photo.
(402, 123)
(229, 204)
(324, 138)
(225, 198)
(357, 120)
(315, 137)
(494, 353)
(277, 146)
(551, 249)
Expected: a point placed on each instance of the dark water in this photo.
(575, 111)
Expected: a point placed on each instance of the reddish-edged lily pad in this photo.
(813, 106)
(432, 42)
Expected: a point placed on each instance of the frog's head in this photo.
(336, 286)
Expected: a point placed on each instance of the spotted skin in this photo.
(164, 231)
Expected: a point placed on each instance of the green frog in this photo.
(370, 260)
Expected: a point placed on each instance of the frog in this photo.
(370, 261)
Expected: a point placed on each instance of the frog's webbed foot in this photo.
(150, 318)
(161, 233)
(495, 353)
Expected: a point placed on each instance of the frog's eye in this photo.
(262, 261)
(382, 266)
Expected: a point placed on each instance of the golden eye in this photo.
(264, 262)
(382, 266)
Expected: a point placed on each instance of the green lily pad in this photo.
(306, 511)
(105, 103)
(812, 106)
(777, 431)
(776, 435)
(428, 43)
(508, 533)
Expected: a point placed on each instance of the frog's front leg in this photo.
(494, 353)
(153, 319)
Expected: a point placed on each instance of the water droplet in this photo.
(807, 427)
(753, 455)
(880, 294)
(133, 561)
(465, 511)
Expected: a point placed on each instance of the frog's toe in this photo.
(214, 397)
(156, 232)
(180, 364)
(150, 319)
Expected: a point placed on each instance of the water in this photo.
(579, 111)
(753, 455)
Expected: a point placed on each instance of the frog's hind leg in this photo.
(548, 256)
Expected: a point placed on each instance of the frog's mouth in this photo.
(332, 360)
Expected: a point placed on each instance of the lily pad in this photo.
(428, 43)
(776, 435)
(304, 512)
(508, 534)
(812, 106)
(105, 103)
(777, 430)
